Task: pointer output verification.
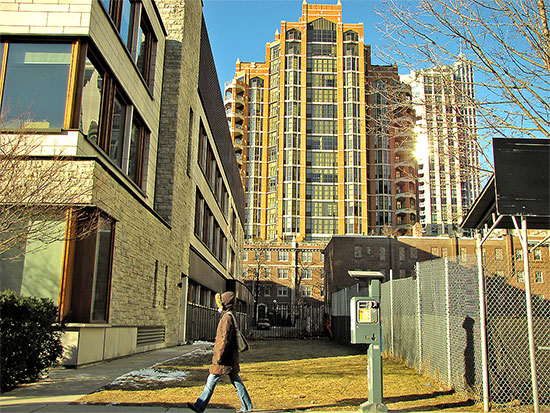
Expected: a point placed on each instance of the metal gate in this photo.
(304, 320)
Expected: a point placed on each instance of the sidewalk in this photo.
(63, 386)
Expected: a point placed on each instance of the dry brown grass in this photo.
(300, 374)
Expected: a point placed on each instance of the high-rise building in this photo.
(448, 161)
(322, 149)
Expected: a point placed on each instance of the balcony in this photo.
(238, 144)
(404, 178)
(403, 148)
(237, 113)
(405, 210)
(229, 98)
(237, 129)
(235, 84)
(404, 194)
(404, 163)
(239, 157)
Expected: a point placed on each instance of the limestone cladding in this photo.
(175, 191)
(148, 260)
(45, 16)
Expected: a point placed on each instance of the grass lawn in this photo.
(294, 374)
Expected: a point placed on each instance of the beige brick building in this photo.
(124, 95)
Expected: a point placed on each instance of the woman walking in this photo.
(225, 359)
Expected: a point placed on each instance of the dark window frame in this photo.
(84, 274)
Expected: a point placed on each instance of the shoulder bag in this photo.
(242, 344)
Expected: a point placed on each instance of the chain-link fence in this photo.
(433, 323)
(509, 360)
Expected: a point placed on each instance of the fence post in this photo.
(448, 319)
(529, 307)
(419, 312)
(482, 322)
(391, 314)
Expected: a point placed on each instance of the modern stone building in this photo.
(124, 96)
(447, 152)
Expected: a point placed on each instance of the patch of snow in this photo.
(200, 342)
(152, 374)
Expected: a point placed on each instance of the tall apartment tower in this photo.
(315, 137)
(448, 157)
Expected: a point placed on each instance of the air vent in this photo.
(150, 335)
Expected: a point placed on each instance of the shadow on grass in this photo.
(156, 404)
(414, 397)
(289, 350)
(435, 407)
(438, 407)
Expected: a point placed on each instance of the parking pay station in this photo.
(366, 329)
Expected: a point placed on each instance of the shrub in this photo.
(30, 338)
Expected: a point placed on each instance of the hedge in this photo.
(30, 338)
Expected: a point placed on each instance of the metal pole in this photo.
(448, 321)
(391, 313)
(482, 322)
(419, 312)
(530, 329)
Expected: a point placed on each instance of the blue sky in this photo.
(241, 28)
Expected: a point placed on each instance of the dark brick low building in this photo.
(501, 256)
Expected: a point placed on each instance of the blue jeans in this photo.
(212, 380)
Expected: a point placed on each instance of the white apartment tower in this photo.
(447, 151)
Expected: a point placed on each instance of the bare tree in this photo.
(506, 41)
(40, 189)
(257, 268)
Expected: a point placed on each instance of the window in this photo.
(519, 254)
(537, 254)
(357, 252)
(145, 50)
(267, 273)
(36, 84)
(538, 277)
(282, 273)
(267, 291)
(85, 294)
(306, 274)
(282, 291)
(521, 276)
(283, 256)
(306, 290)
(444, 252)
(39, 273)
(382, 254)
(462, 254)
(401, 254)
(138, 137)
(414, 253)
(499, 256)
(434, 251)
(92, 273)
(122, 14)
(104, 115)
(306, 256)
(322, 273)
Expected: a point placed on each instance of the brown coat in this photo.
(225, 347)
